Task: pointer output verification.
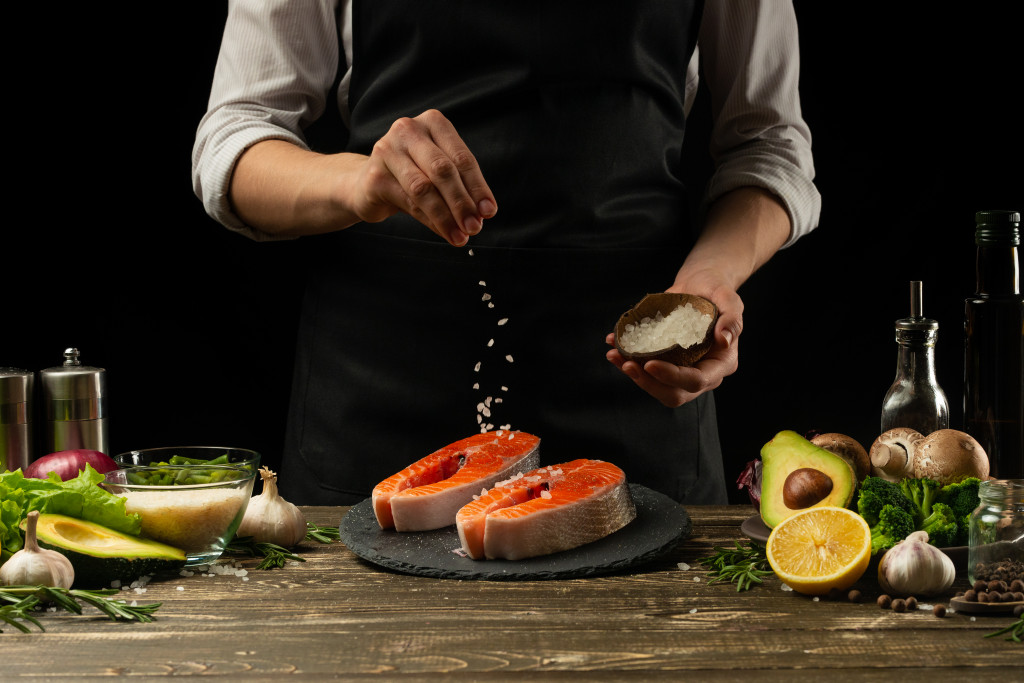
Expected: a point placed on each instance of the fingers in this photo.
(674, 385)
(425, 169)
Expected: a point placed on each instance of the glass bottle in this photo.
(996, 551)
(915, 399)
(994, 346)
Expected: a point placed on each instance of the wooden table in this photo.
(336, 616)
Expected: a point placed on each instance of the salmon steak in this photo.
(427, 494)
(546, 510)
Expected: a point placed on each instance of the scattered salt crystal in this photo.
(140, 591)
(786, 588)
(511, 436)
(683, 566)
(245, 578)
(502, 321)
(925, 607)
(500, 432)
(974, 618)
(545, 494)
(134, 603)
(180, 588)
(509, 358)
(693, 611)
(487, 401)
(696, 579)
(460, 552)
(115, 583)
(816, 599)
(483, 491)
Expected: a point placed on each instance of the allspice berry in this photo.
(939, 610)
(884, 601)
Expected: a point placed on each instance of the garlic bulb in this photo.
(914, 567)
(34, 566)
(269, 518)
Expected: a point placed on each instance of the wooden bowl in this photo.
(665, 303)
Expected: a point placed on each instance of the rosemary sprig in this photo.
(1016, 631)
(323, 534)
(274, 556)
(22, 599)
(742, 565)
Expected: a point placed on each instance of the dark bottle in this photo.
(994, 346)
(915, 398)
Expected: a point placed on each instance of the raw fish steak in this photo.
(427, 494)
(547, 510)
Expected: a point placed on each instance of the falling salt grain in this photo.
(470, 252)
(504, 388)
(482, 283)
(476, 385)
(502, 321)
(490, 343)
(485, 297)
(509, 358)
(476, 368)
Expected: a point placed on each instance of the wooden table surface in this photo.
(336, 616)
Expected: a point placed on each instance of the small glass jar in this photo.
(997, 532)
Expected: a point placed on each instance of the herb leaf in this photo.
(23, 599)
(743, 565)
(274, 556)
(323, 534)
(1016, 631)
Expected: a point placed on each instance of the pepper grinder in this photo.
(74, 398)
(915, 399)
(15, 418)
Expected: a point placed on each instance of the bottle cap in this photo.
(997, 228)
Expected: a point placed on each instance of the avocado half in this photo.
(100, 555)
(796, 474)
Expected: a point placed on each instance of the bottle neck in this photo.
(916, 358)
(998, 270)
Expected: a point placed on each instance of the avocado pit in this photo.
(804, 487)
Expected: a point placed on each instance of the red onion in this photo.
(750, 478)
(67, 464)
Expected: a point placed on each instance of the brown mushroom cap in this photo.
(949, 455)
(847, 448)
(892, 453)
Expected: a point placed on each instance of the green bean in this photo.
(135, 478)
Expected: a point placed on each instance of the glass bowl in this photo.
(184, 455)
(196, 508)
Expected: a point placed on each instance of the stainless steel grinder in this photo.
(74, 405)
(15, 418)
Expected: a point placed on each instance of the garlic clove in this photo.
(915, 567)
(35, 566)
(269, 518)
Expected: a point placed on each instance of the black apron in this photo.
(575, 112)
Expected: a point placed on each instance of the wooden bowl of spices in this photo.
(676, 328)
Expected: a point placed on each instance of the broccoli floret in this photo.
(924, 492)
(941, 526)
(875, 494)
(894, 524)
(962, 497)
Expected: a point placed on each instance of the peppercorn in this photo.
(971, 596)
(899, 605)
(884, 601)
(980, 586)
(911, 603)
(939, 610)
(984, 597)
(1018, 610)
(853, 596)
(1017, 586)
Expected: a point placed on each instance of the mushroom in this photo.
(848, 449)
(949, 455)
(892, 453)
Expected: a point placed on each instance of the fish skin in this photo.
(589, 499)
(427, 494)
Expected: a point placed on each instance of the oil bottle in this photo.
(915, 399)
(994, 345)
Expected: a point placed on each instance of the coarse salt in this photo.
(486, 297)
(502, 321)
(490, 343)
(684, 326)
(509, 358)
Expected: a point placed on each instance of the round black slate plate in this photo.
(756, 530)
(660, 524)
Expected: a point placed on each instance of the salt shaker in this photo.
(915, 399)
(74, 403)
(15, 418)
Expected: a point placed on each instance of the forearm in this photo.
(743, 229)
(281, 189)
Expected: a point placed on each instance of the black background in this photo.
(916, 123)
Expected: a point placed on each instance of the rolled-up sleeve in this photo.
(749, 54)
(277, 62)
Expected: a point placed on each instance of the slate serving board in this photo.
(660, 524)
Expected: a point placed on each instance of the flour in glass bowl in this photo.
(192, 520)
